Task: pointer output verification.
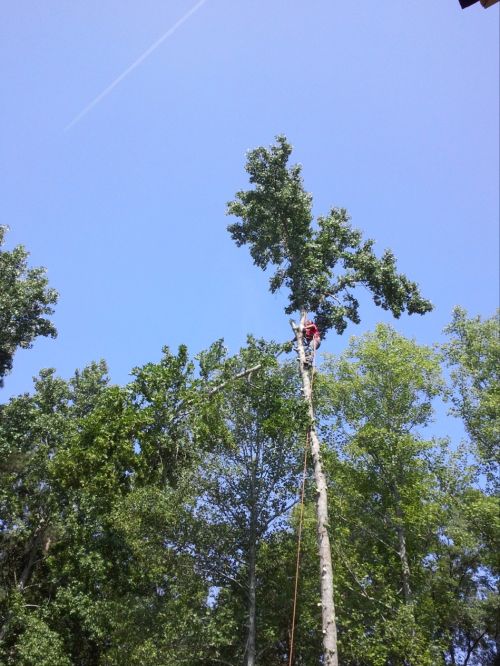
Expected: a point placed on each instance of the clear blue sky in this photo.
(392, 108)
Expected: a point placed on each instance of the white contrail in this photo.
(135, 64)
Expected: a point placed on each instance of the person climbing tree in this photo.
(320, 265)
(312, 340)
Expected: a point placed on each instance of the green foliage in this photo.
(319, 266)
(384, 380)
(466, 575)
(99, 486)
(473, 353)
(37, 643)
(246, 492)
(127, 528)
(404, 513)
(25, 301)
(133, 517)
(85, 561)
(277, 573)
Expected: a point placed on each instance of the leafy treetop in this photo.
(25, 299)
(473, 353)
(319, 265)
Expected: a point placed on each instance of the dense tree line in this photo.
(155, 523)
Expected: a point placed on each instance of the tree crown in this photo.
(319, 265)
(25, 299)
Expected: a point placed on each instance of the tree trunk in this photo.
(32, 549)
(403, 554)
(325, 556)
(251, 602)
(252, 557)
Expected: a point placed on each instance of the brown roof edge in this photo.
(486, 3)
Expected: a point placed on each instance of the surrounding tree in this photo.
(321, 267)
(96, 490)
(414, 572)
(154, 524)
(474, 356)
(25, 302)
(249, 489)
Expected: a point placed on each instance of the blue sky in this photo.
(392, 108)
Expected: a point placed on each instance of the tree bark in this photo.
(252, 553)
(251, 599)
(403, 553)
(329, 623)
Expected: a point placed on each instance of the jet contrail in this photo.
(135, 64)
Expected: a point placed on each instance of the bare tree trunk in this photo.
(403, 553)
(405, 567)
(252, 558)
(330, 652)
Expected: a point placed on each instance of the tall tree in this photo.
(249, 487)
(25, 302)
(473, 354)
(415, 538)
(93, 497)
(320, 266)
(97, 489)
(380, 393)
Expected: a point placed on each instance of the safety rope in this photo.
(301, 519)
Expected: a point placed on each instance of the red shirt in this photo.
(311, 331)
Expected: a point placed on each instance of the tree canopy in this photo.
(322, 264)
(473, 353)
(26, 301)
(155, 523)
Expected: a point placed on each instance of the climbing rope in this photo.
(301, 521)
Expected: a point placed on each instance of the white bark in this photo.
(329, 623)
(403, 554)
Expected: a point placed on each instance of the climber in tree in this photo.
(312, 335)
(321, 264)
(312, 339)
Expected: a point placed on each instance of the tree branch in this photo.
(239, 375)
(473, 647)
